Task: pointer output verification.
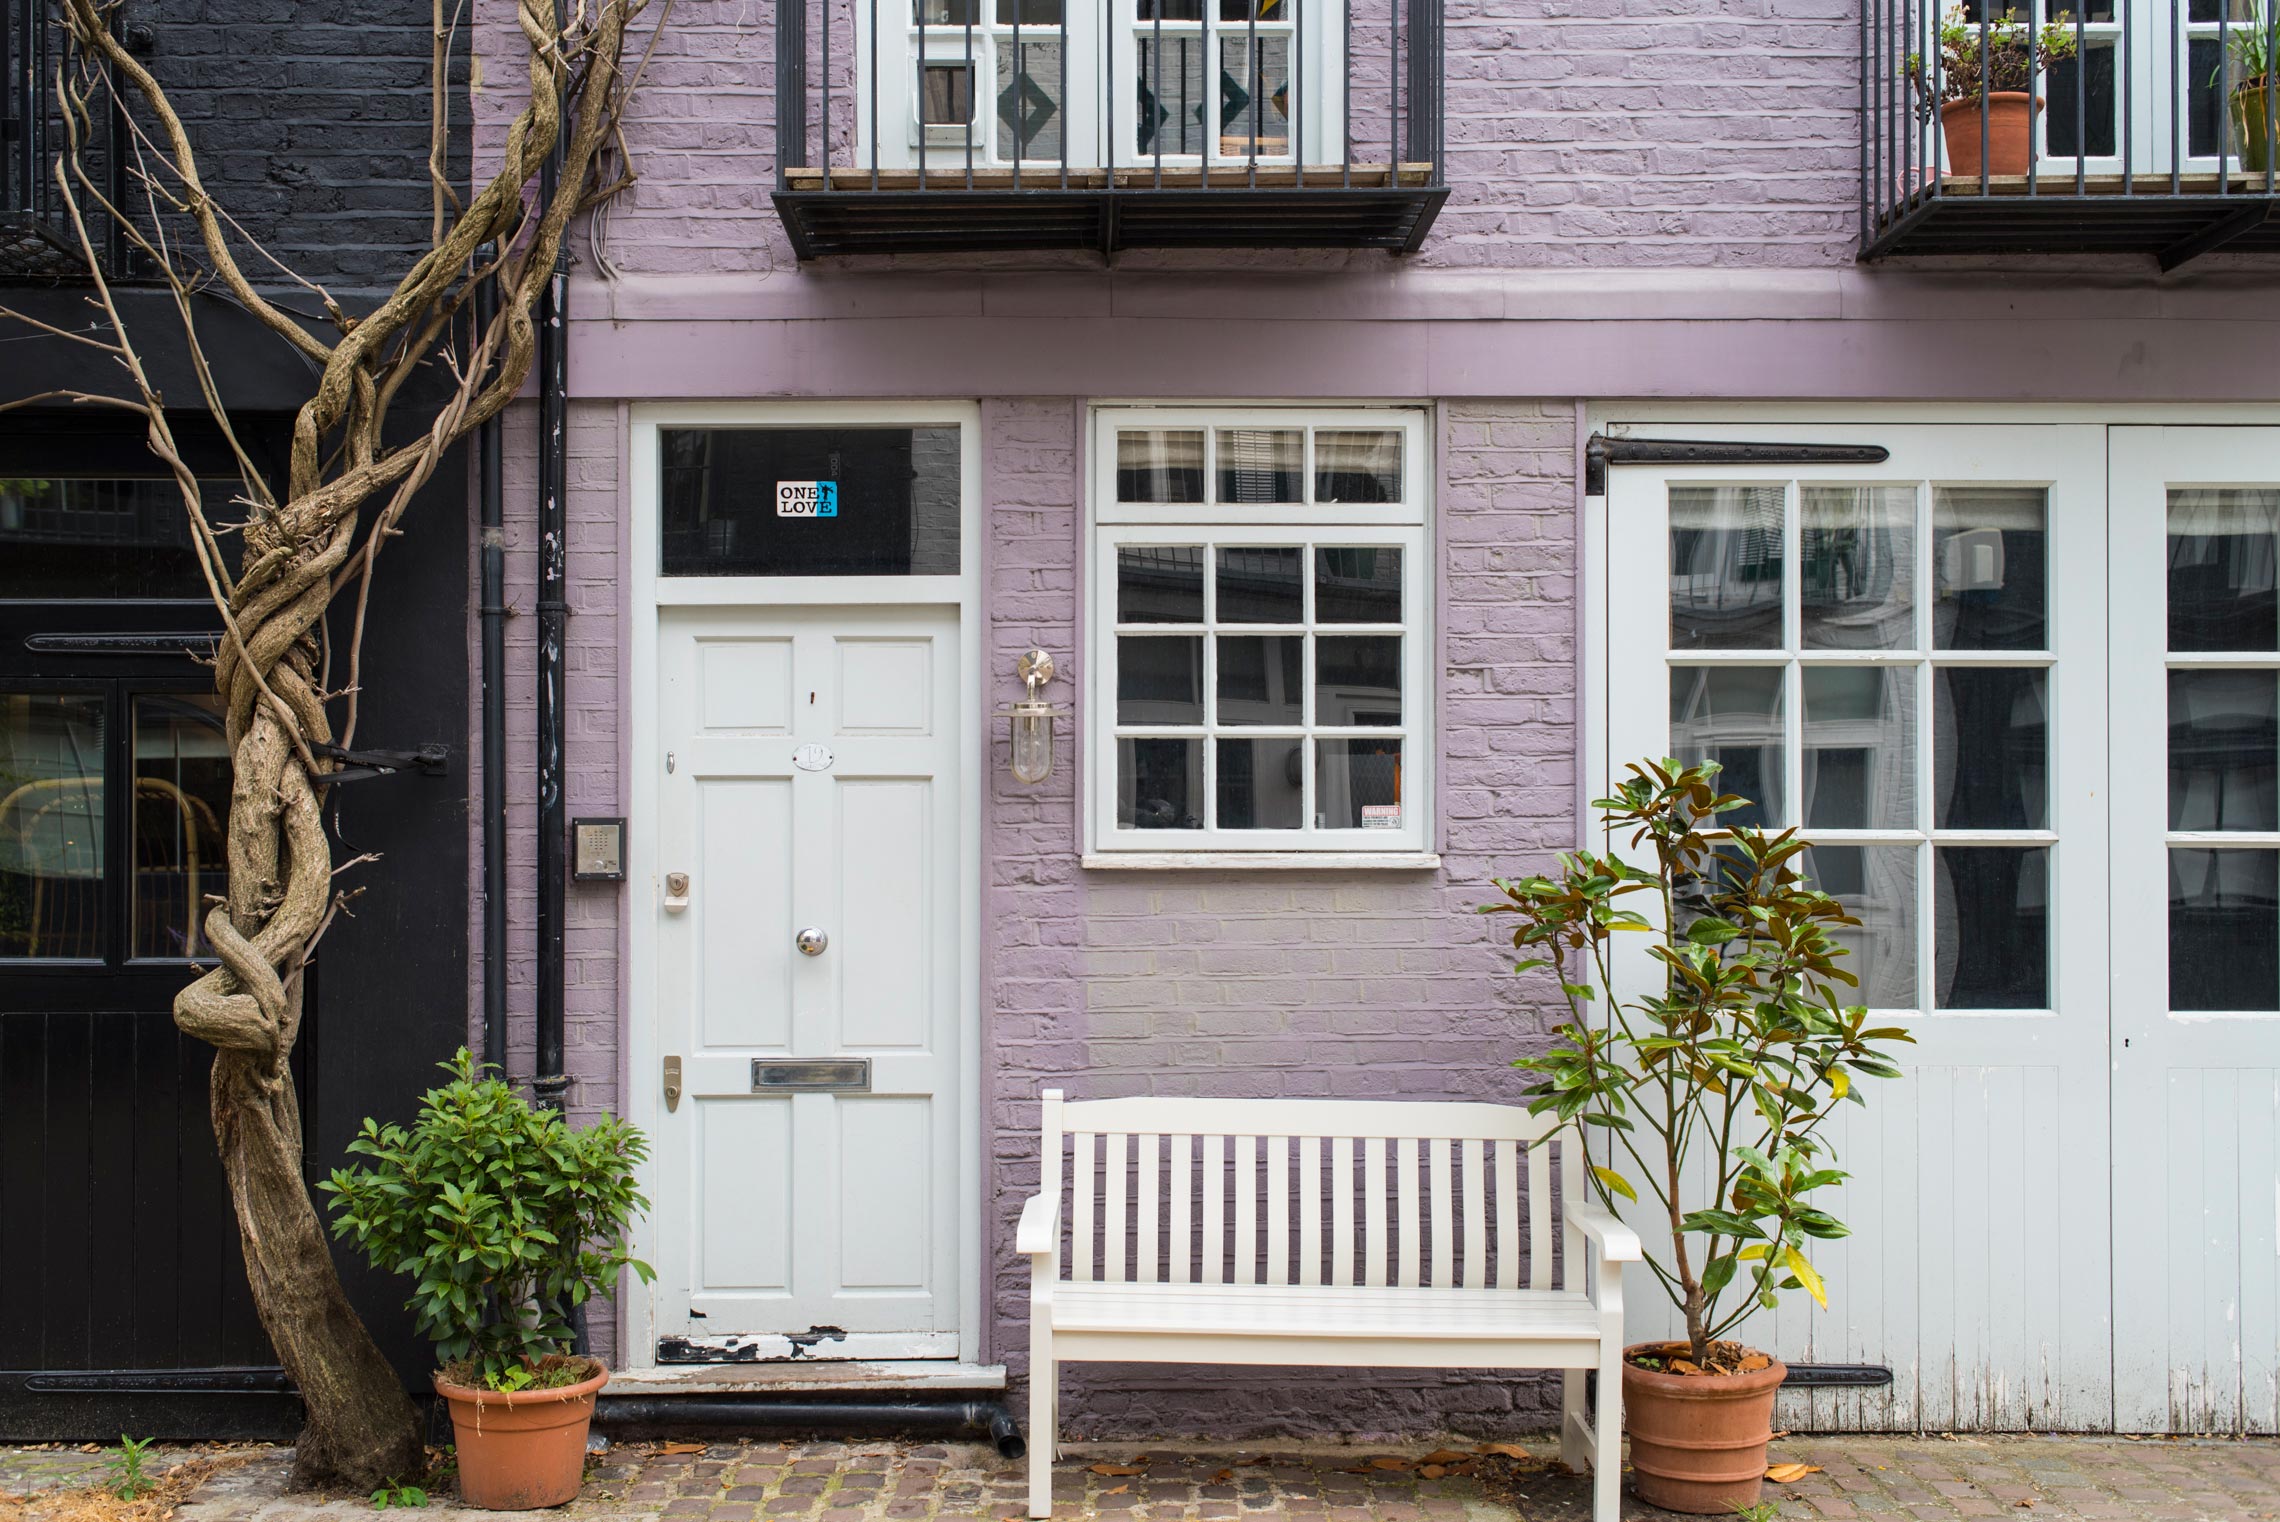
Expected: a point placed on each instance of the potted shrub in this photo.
(2252, 98)
(1703, 1098)
(506, 1221)
(1987, 72)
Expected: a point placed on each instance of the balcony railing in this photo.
(2154, 137)
(918, 126)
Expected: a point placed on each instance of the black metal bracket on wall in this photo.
(362, 765)
(1600, 452)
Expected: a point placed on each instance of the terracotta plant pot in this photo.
(2010, 132)
(2251, 133)
(521, 1449)
(1697, 1440)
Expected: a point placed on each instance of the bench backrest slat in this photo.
(1202, 1191)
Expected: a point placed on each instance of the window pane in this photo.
(1261, 465)
(1991, 927)
(1159, 681)
(1259, 679)
(1357, 464)
(1733, 715)
(1261, 784)
(1159, 784)
(1254, 94)
(1357, 679)
(1860, 747)
(1171, 110)
(946, 94)
(1260, 585)
(51, 825)
(1032, 12)
(1725, 567)
(74, 537)
(1877, 885)
(2224, 750)
(1990, 748)
(810, 501)
(1988, 555)
(1159, 465)
(1030, 101)
(2224, 930)
(1357, 785)
(2221, 570)
(2094, 76)
(182, 802)
(1357, 586)
(1857, 562)
(1159, 584)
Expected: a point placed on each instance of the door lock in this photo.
(811, 941)
(676, 892)
(672, 1083)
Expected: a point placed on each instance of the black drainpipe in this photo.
(549, 1083)
(491, 496)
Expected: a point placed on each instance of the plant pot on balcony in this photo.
(2252, 131)
(2010, 128)
(1697, 1440)
(520, 1450)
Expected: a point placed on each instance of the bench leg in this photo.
(1574, 1421)
(1044, 1422)
(1607, 1436)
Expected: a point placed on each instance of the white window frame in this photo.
(1405, 525)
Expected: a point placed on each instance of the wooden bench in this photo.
(1364, 1234)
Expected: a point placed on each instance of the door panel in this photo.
(1889, 657)
(2196, 929)
(813, 783)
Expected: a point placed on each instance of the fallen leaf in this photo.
(1683, 1366)
(1432, 1471)
(1784, 1432)
(1507, 1450)
(1755, 1362)
(1784, 1474)
(1391, 1464)
(1116, 1469)
(2028, 1501)
(1116, 1490)
(1443, 1456)
(664, 1448)
(1223, 1477)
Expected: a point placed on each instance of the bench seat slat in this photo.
(1326, 1312)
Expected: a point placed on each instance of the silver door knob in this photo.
(811, 941)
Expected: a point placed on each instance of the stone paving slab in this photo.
(1900, 1479)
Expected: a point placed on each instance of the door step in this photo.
(905, 1376)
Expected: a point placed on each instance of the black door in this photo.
(117, 1242)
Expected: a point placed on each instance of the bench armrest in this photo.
(1039, 1233)
(1618, 1243)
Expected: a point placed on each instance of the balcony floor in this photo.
(891, 212)
(2173, 221)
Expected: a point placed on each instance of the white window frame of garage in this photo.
(1311, 524)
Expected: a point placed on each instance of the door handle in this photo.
(672, 1083)
(676, 892)
(811, 942)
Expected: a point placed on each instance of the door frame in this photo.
(649, 595)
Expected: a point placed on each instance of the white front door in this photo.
(2196, 928)
(807, 982)
(1908, 660)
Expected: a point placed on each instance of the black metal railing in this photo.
(2130, 126)
(36, 238)
(914, 125)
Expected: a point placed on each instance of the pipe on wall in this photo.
(549, 1082)
(491, 537)
(631, 1415)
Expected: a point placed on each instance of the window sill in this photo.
(1320, 861)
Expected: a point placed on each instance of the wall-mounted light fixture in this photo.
(1032, 720)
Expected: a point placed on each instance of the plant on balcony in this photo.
(506, 1221)
(1706, 1095)
(1984, 86)
(2253, 97)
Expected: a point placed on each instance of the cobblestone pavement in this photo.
(759, 1481)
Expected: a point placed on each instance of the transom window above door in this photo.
(1873, 662)
(1261, 622)
(809, 501)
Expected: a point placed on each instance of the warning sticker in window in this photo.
(1381, 816)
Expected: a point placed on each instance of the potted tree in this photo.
(1706, 1095)
(2254, 98)
(506, 1220)
(1985, 87)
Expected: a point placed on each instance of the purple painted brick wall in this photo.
(1345, 984)
(1611, 133)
